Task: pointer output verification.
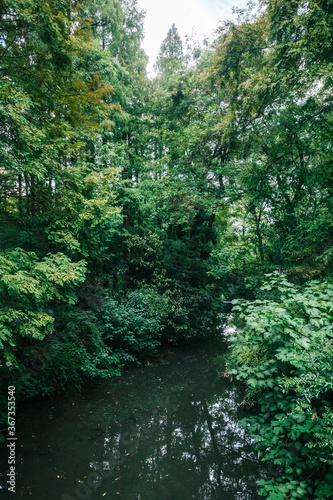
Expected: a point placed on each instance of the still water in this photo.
(165, 431)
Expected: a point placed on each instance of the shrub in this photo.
(132, 325)
(284, 354)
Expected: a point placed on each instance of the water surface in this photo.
(167, 431)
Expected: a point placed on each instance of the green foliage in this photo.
(106, 221)
(132, 325)
(284, 353)
(65, 359)
(59, 183)
(129, 208)
(28, 286)
(171, 58)
(191, 311)
(277, 129)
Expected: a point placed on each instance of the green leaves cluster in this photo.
(28, 287)
(132, 326)
(284, 352)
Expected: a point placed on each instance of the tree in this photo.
(170, 58)
(274, 123)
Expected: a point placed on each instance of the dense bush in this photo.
(132, 324)
(284, 354)
(136, 324)
(69, 356)
(33, 293)
(191, 311)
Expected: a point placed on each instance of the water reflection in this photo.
(166, 432)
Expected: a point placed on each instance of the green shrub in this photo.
(132, 325)
(284, 353)
(67, 358)
(190, 311)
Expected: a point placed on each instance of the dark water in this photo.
(167, 431)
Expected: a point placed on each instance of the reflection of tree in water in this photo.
(164, 432)
(181, 440)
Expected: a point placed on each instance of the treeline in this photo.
(132, 208)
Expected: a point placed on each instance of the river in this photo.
(164, 431)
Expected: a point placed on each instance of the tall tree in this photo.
(170, 58)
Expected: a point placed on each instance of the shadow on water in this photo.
(160, 432)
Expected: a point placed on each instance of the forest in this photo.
(135, 210)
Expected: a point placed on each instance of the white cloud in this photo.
(203, 15)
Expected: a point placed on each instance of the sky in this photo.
(203, 15)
